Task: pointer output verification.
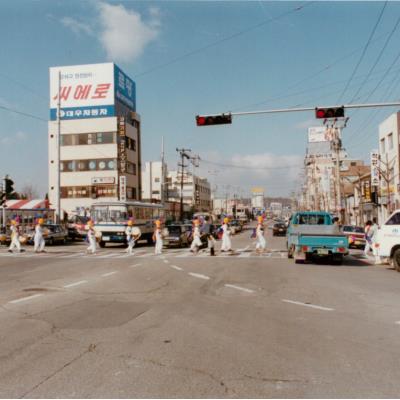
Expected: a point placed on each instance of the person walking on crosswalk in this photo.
(226, 236)
(130, 237)
(15, 243)
(196, 242)
(261, 244)
(91, 235)
(38, 239)
(157, 237)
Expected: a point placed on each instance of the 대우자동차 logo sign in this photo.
(89, 91)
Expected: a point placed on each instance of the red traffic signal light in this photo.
(332, 112)
(203, 120)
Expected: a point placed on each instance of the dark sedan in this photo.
(279, 229)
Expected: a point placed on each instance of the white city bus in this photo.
(111, 218)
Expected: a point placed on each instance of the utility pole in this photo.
(183, 154)
(58, 186)
(337, 147)
(162, 171)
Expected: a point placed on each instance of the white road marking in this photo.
(110, 273)
(397, 322)
(135, 265)
(246, 248)
(244, 255)
(176, 267)
(75, 284)
(239, 288)
(199, 275)
(25, 298)
(166, 261)
(308, 305)
(73, 255)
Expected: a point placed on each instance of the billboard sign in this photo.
(125, 88)
(316, 134)
(375, 168)
(89, 91)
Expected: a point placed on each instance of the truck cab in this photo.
(388, 240)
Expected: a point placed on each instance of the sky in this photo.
(198, 57)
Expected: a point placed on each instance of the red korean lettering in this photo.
(101, 91)
(64, 93)
(82, 92)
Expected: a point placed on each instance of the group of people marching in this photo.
(38, 237)
(133, 235)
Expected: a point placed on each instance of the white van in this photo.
(388, 240)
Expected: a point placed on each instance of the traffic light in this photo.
(2, 198)
(332, 112)
(203, 120)
(8, 186)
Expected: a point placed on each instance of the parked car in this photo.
(236, 226)
(52, 233)
(178, 235)
(76, 227)
(355, 235)
(279, 229)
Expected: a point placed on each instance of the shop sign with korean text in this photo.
(89, 91)
(374, 168)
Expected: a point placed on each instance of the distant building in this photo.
(154, 181)
(196, 190)
(100, 142)
(257, 199)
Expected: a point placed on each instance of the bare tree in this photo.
(28, 191)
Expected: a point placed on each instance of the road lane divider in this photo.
(239, 288)
(176, 267)
(299, 303)
(25, 299)
(200, 276)
(74, 284)
(135, 265)
(109, 273)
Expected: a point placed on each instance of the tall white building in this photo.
(257, 198)
(154, 177)
(389, 131)
(100, 145)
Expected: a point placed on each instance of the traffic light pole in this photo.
(4, 205)
(302, 109)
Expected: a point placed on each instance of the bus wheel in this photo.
(102, 244)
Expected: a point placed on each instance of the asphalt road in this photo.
(242, 325)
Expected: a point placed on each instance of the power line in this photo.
(250, 168)
(224, 39)
(377, 59)
(22, 113)
(363, 52)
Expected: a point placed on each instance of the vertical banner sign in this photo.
(367, 191)
(122, 188)
(374, 168)
(122, 158)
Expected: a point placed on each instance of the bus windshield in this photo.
(109, 213)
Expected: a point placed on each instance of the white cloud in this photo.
(124, 34)
(18, 137)
(77, 26)
(278, 174)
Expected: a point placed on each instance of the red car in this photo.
(355, 235)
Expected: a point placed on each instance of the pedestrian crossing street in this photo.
(142, 253)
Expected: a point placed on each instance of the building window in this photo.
(383, 146)
(156, 180)
(390, 141)
(79, 139)
(105, 164)
(75, 192)
(131, 168)
(130, 143)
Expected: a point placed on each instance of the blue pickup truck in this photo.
(313, 234)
